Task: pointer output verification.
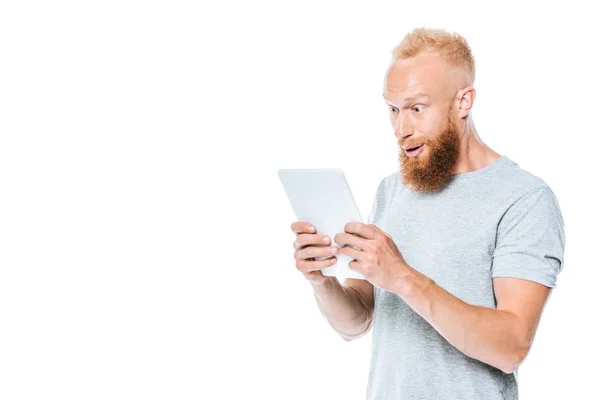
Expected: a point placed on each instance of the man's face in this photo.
(427, 118)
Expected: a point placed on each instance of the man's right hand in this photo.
(308, 245)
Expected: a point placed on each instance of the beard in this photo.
(431, 170)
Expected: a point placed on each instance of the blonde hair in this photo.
(451, 47)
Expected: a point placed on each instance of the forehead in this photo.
(423, 74)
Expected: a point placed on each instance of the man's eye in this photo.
(419, 107)
(393, 109)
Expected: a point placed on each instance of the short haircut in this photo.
(451, 47)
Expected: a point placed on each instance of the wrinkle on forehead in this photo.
(399, 88)
(404, 77)
(434, 81)
(427, 70)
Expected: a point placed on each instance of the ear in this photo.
(466, 98)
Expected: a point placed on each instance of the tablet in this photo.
(322, 197)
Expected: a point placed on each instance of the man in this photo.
(461, 247)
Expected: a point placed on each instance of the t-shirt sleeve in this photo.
(530, 239)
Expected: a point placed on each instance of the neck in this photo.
(474, 153)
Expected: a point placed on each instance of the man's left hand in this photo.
(378, 259)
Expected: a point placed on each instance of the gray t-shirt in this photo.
(497, 221)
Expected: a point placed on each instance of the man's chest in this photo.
(449, 243)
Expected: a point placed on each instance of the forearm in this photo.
(488, 335)
(343, 308)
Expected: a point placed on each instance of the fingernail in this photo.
(326, 239)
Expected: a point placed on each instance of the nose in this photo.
(401, 129)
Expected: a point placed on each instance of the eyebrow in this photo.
(411, 98)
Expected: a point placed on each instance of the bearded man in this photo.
(461, 249)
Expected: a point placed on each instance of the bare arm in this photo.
(348, 308)
(499, 337)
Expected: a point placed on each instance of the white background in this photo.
(145, 248)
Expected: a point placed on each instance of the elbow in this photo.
(515, 357)
(351, 338)
(363, 332)
(509, 368)
(514, 360)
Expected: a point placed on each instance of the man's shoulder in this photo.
(516, 181)
(387, 182)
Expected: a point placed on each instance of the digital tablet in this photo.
(322, 197)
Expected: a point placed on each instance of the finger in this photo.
(351, 240)
(352, 253)
(308, 266)
(315, 251)
(366, 231)
(320, 251)
(304, 239)
(302, 227)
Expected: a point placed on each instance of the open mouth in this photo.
(414, 151)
